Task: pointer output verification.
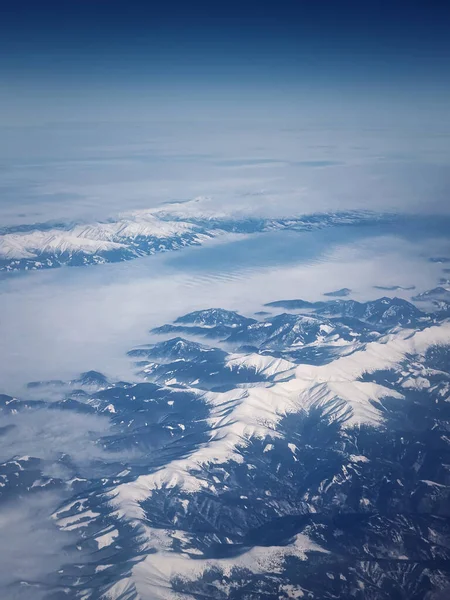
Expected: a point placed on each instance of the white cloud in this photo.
(31, 547)
(60, 322)
(97, 170)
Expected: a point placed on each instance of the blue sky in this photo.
(92, 59)
(114, 106)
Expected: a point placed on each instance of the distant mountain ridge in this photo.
(142, 233)
(383, 311)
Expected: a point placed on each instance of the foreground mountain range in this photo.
(298, 454)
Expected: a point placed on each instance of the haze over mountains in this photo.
(225, 300)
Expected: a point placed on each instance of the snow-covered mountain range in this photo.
(293, 455)
(141, 233)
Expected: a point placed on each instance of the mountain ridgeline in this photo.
(302, 452)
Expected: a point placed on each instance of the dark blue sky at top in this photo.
(112, 38)
(59, 49)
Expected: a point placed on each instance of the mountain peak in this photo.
(213, 317)
(92, 378)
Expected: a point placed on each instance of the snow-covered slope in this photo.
(132, 235)
(215, 317)
(244, 474)
(383, 312)
(139, 233)
(238, 415)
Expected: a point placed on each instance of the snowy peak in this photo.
(215, 317)
(295, 304)
(438, 293)
(175, 349)
(264, 364)
(286, 333)
(92, 378)
(285, 330)
(130, 236)
(386, 312)
(383, 311)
